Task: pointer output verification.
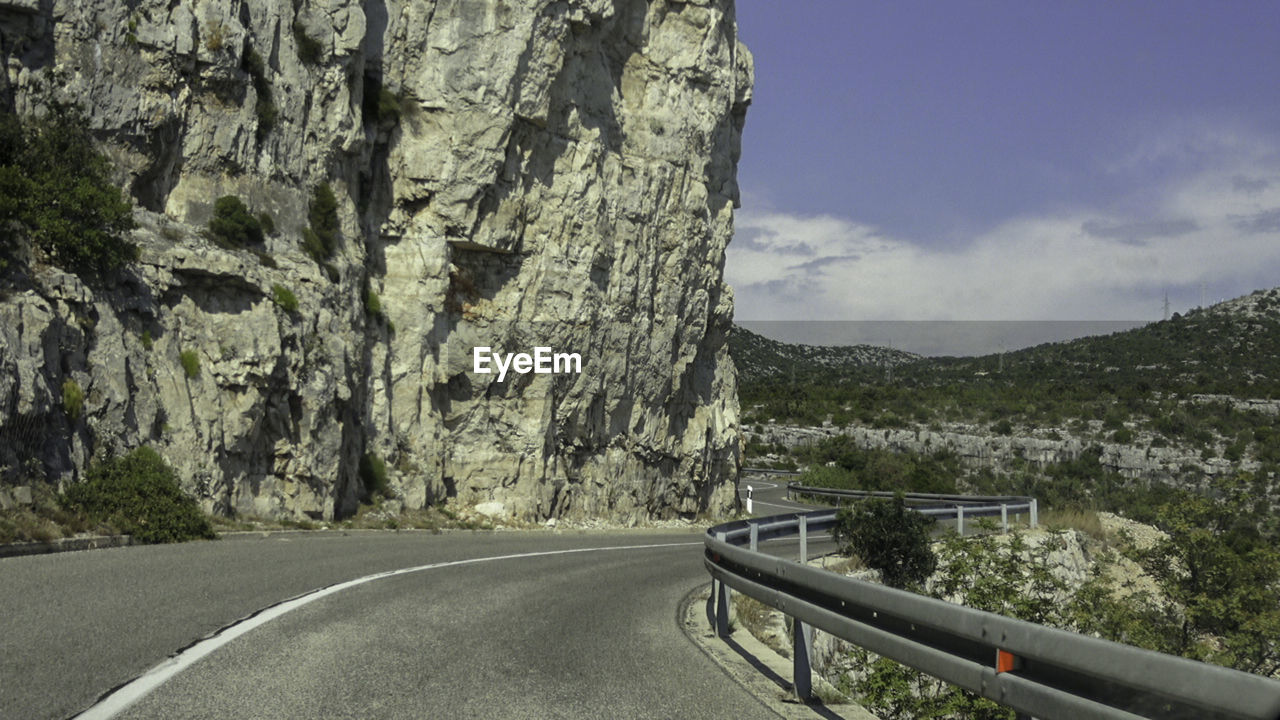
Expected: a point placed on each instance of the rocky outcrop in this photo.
(977, 448)
(554, 173)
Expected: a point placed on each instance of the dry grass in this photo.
(843, 566)
(752, 614)
(45, 520)
(756, 617)
(1086, 521)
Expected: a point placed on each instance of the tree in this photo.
(56, 190)
(889, 537)
(233, 223)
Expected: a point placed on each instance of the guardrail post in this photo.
(755, 537)
(1034, 513)
(801, 651)
(722, 610)
(804, 539)
(960, 520)
(1004, 518)
(711, 605)
(720, 596)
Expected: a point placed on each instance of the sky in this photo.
(1047, 160)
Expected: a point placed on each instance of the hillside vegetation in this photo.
(759, 359)
(1193, 380)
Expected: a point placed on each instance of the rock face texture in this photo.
(508, 174)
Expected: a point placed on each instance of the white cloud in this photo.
(1209, 228)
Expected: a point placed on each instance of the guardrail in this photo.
(960, 507)
(1040, 671)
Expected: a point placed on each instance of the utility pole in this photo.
(1166, 304)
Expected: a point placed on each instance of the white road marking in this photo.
(134, 690)
(758, 485)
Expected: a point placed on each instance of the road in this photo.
(567, 635)
(768, 494)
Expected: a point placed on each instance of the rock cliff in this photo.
(508, 174)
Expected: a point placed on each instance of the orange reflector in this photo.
(1005, 661)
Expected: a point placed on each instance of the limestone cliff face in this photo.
(509, 174)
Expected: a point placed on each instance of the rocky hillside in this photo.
(1178, 403)
(506, 174)
(757, 357)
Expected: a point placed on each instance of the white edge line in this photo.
(138, 688)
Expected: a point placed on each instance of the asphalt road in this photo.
(578, 635)
(768, 494)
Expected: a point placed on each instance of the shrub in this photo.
(284, 297)
(233, 223)
(1123, 435)
(310, 51)
(72, 399)
(889, 537)
(190, 362)
(265, 108)
(267, 223)
(139, 495)
(147, 342)
(321, 239)
(56, 189)
(216, 37)
(373, 472)
(372, 303)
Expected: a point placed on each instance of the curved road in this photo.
(568, 635)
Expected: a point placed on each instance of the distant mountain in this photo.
(759, 358)
(1231, 348)
(1209, 379)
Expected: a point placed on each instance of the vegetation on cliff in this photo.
(56, 193)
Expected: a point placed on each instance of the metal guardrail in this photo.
(960, 507)
(1040, 671)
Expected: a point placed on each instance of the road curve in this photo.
(576, 635)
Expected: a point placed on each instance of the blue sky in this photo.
(960, 160)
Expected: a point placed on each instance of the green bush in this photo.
(56, 190)
(889, 537)
(373, 472)
(72, 399)
(267, 223)
(320, 240)
(139, 495)
(284, 297)
(265, 108)
(190, 362)
(233, 223)
(372, 303)
(310, 51)
(1123, 435)
(147, 342)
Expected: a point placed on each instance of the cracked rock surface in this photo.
(508, 174)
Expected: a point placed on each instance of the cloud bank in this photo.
(1216, 229)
